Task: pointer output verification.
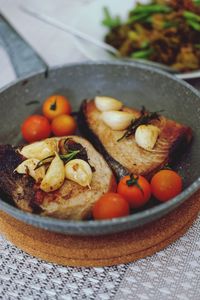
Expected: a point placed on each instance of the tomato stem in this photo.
(133, 181)
(53, 105)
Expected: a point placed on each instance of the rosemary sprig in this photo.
(44, 161)
(145, 118)
(70, 155)
(65, 158)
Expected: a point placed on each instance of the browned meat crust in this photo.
(16, 186)
(71, 201)
(126, 156)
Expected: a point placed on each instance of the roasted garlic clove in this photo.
(79, 171)
(146, 136)
(55, 175)
(41, 149)
(117, 120)
(104, 103)
(28, 167)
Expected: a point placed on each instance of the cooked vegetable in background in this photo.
(164, 31)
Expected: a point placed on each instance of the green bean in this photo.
(137, 17)
(106, 13)
(154, 8)
(142, 54)
(197, 46)
(194, 25)
(144, 44)
(192, 19)
(191, 16)
(197, 2)
(143, 12)
(169, 24)
(109, 21)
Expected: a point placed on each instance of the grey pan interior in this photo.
(136, 85)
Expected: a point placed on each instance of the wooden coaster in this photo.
(107, 250)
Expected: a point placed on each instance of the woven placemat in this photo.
(106, 250)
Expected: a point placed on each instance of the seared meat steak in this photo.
(71, 200)
(124, 155)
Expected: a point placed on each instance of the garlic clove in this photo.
(146, 136)
(55, 175)
(104, 103)
(117, 120)
(40, 150)
(79, 171)
(28, 167)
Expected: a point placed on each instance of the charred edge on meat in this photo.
(117, 168)
(11, 181)
(180, 146)
(176, 150)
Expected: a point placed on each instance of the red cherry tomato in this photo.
(35, 128)
(110, 205)
(135, 189)
(166, 184)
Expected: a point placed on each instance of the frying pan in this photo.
(135, 85)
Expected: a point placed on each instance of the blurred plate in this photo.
(89, 20)
(136, 85)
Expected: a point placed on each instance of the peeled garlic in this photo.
(117, 120)
(28, 167)
(146, 136)
(79, 171)
(55, 175)
(40, 150)
(104, 103)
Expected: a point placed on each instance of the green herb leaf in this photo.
(65, 158)
(145, 118)
(69, 156)
(32, 102)
(44, 161)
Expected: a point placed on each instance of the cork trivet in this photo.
(106, 250)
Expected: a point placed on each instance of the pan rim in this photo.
(83, 227)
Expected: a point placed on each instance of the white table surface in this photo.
(173, 273)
